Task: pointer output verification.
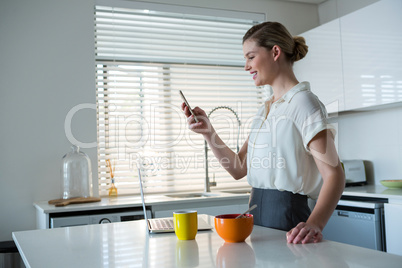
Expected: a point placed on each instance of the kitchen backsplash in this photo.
(374, 136)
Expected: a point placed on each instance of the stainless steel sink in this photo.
(192, 195)
(239, 191)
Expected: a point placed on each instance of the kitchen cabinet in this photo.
(215, 210)
(371, 54)
(355, 61)
(127, 208)
(322, 66)
(393, 230)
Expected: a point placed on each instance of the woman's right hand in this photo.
(203, 126)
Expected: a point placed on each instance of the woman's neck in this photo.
(283, 84)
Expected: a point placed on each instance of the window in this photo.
(143, 58)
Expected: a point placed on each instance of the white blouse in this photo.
(278, 156)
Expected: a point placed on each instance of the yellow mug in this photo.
(185, 224)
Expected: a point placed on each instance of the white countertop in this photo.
(133, 201)
(128, 244)
(376, 191)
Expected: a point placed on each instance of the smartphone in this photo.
(188, 105)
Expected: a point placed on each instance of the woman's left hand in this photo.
(304, 233)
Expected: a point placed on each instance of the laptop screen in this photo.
(142, 195)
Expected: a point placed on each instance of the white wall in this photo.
(375, 137)
(47, 68)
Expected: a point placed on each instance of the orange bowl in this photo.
(234, 230)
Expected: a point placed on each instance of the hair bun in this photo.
(300, 50)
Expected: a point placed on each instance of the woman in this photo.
(290, 152)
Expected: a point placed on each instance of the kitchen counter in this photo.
(160, 202)
(160, 205)
(128, 244)
(375, 191)
(130, 201)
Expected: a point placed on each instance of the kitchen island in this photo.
(128, 244)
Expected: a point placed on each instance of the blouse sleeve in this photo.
(314, 122)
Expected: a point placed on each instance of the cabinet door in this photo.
(213, 211)
(322, 66)
(372, 56)
(393, 230)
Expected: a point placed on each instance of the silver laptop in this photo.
(164, 225)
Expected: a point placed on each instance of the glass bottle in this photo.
(112, 189)
(77, 174)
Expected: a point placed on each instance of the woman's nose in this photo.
(246, 67)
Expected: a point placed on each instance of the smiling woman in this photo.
(144, 56)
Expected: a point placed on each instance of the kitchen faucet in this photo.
(208, 184)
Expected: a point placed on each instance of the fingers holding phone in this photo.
(186, 110)
(196, 118)
(189, 116)
(188, 106)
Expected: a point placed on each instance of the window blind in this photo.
(143, 59)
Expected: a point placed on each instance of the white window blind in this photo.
(143, 59)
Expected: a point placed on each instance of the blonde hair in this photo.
(269, 34)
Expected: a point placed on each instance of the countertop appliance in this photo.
(355, 173)
(359, 223)
(95, 217)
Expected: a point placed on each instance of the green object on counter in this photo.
(392, 183)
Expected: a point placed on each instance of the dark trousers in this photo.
(278, 209)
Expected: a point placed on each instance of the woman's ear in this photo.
(276, 51)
